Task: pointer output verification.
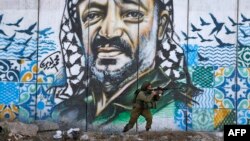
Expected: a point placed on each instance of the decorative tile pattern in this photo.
(181, 118)
(212, 55)
(45, 103)
(243, 99)
(205, 100)
(203, 77)
(202, 119)
(54, 79)
(44, 78)
(8, 112)
(224, 98)
(28, 71)
(9, 70)
(9, 93)
(224, 76)
(189, 119)
(224, 117)
(244, 57)
(27, 101)
(35, 103)
(243, 77)
(243, 117)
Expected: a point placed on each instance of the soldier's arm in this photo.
(143, 97)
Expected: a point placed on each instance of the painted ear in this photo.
(163, 22)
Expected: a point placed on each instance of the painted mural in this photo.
(81, 63)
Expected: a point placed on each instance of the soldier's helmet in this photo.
(145, 85)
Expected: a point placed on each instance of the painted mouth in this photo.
(108, 52)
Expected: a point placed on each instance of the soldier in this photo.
(143, 102)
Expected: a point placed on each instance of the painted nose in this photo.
(111, 28)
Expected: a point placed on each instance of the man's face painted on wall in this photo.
(112, 27)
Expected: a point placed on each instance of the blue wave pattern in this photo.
(244, 40)
(206, 99)
(17, 50)
(46, 46)
(218, 56)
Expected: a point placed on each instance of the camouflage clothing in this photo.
(136, 112)
(144, 101)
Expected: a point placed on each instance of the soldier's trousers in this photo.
(135, 113)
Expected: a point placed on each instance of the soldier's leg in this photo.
(135, 113)
(148, 116)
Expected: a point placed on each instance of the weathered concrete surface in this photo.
(20, 128)
(29, 132)
(137, 136)
(46, 125)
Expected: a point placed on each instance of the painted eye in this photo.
(133, 16)
(92, 16)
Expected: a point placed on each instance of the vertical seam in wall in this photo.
(87, 69)
(187, 61)
(138, 35)
(236, 67)
(37, 47)
(137, 60)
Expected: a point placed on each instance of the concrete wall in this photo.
(78, 63)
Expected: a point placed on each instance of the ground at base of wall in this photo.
(136, 136)
(12, 131)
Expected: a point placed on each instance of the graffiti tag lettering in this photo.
(51, 61)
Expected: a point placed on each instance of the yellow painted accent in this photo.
(1, 107)
(34, 69)
(40, 80)
(248, 69)
(14, 108)
(12, 116)
(220, 115)
(27, 77)
(220, 72)
(219, 103)
(248, 104)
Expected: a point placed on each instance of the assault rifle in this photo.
(159, 88)
(157, 97)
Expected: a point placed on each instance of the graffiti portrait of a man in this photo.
(110, 47)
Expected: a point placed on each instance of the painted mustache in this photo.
(113, 46)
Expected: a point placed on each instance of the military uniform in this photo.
(144, 101)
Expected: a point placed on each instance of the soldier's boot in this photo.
(126, 128)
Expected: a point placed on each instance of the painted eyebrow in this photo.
(91, 4)
(97, 5)
(136, 2)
